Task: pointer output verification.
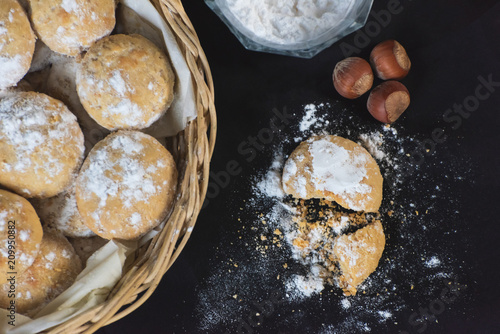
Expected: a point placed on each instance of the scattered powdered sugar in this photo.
(300, 287)
(270, 185)
(345, 303)
(309, 118)
(130, 111)
(50, 257)
(120, 90)
(3, 220)
(373, 142)
(69, 5)
(385, 314)
(12, 69)
(135, 219)
(24, 235)
(433, 262)
(270, 262)
(62, 213)
(118, 84)
(12, 66)
(29, 125)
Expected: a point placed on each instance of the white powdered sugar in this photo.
(118, 84)
(300, 287)
(62, 213)
(28, 125)
(336, 171)
(24, 235)
(433, 262)
(373, 142)
(271, 257)
(130, 111)
(291, 171)
(120, 90)
(309, 118)
(11, 70)
(288, 21)
(135, 219)
(50, 257)
(271, 183)
(69, 5)
(126, 177)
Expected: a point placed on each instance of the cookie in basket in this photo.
(336, 169)
(72, 26)
(125, 82)
(61, 84)
(54, 270)
(126, 185)
(17, 43)
(20, 234)
(41, 145)
(60, 212)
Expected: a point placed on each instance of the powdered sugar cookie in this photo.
(125, 82)
(60, 212)
(336, 169)
(71, 26)
(358, 255)
(20, 234)
(53, 271)
(126, 185)
(41, 144)
(17, 43)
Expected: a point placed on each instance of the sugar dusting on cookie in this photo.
(335, 170)
(101, 176)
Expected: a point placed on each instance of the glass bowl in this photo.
(353, 18)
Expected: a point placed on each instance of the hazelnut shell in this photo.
(388, 101)
(352, 77)
(390, 61)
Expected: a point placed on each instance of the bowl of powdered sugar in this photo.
(300, 28)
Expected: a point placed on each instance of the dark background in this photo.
(451, 44)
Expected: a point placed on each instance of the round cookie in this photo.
(20, 234)
(125, 82)
(336, 169)
(60, 212)
(61, 84)
(17, 43)
(54, 270)
(41, 144)
(126, 185)
(71, 26)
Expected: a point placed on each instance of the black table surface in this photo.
(455, 48)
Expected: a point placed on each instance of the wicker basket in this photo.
(192, 150)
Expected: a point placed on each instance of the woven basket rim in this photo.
(194, 147)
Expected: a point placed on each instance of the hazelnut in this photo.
(352, 77)
(388, 101)
(390, 61)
